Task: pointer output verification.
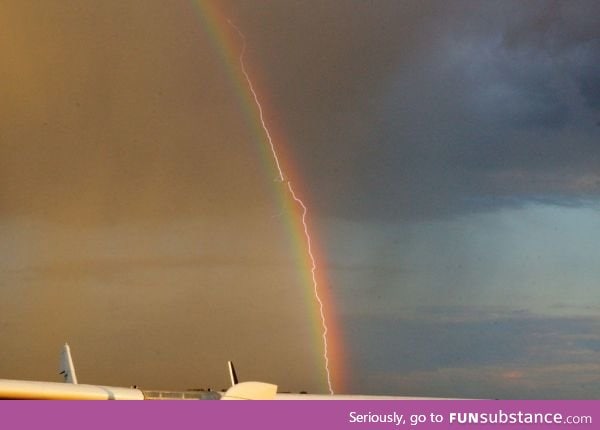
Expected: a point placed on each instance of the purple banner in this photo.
(331, 415)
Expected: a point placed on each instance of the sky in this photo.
(447, 152)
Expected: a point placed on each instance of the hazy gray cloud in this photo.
(510, 348)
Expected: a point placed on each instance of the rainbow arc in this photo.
(223, 34)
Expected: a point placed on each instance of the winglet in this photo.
(232, 375)
(67, 369)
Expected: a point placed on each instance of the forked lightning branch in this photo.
(295, 198)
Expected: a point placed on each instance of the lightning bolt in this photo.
(296, 199)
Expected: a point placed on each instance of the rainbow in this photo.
(229, 43)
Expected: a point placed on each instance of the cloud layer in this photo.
(424, 109)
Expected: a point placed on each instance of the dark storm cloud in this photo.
(564, 31)
(419, 109)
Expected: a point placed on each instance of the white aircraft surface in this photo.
(70, 389)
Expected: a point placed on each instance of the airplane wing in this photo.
(68, 390)
(41, 390)
(72, 390)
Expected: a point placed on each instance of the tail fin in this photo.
(232, 375)
(67, 369)
(247, 390)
